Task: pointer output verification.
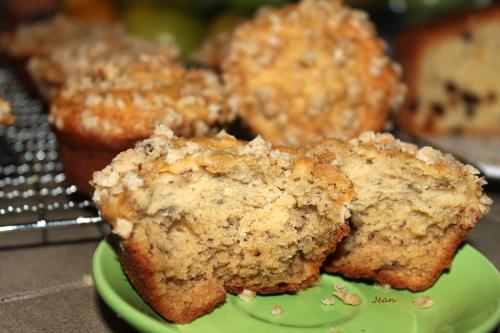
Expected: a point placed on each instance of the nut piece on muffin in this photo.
(204, 216)
(41, 38)
(76, 58)
(412, 209)
(102, 113)
(451, 67)
(313, 69)
(6, 116)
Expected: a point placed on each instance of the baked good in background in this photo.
(411, 210)
(104, 112)
(50, 71)
(43, 37)
(28, 40)
(451, 68)
(308, 70)
(6, 116)
(201, 217)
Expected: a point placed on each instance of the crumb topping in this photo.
(93, 55)
(123, 228)
(128, 94)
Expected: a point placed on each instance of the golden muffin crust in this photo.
(204, 216)
(76, 58)
(6, 116)
(43, 37)
(126, 95)
(412, 209)
(313, 69)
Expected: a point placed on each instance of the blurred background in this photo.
(189, 22)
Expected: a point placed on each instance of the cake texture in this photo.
(76, 58)
(308, 70)
(119, 102)
(411, 210)
(451, 68)
(204, 216)
(6, 116)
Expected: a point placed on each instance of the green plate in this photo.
(467, 299)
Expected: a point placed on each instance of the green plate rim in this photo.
(144, 322)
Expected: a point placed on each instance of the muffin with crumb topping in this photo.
(119, 102)
(312, 69)
(198, 218)
(43, 37)
(412, 209)
(76, 58)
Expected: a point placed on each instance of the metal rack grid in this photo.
(33, 192)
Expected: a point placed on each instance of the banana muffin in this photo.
(202, 217)
(102, 113)
(451, 67)
(411, 210)
(312, 69)
(50, 71)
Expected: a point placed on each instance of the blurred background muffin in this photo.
(76, 58)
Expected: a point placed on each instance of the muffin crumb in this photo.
(276, 310)
(327, 301)
(347, 297)
(423, 302)
(247, 295)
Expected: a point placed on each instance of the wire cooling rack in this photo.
(33, 192)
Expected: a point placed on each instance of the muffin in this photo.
(6, 116)
(41, 38)
(100, 114)
(201, 217)
(451, 67)
(308, 70)
(411, 210)
(76, 58)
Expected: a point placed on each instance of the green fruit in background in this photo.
(250, 5)
(163, 23)
(225, 21)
